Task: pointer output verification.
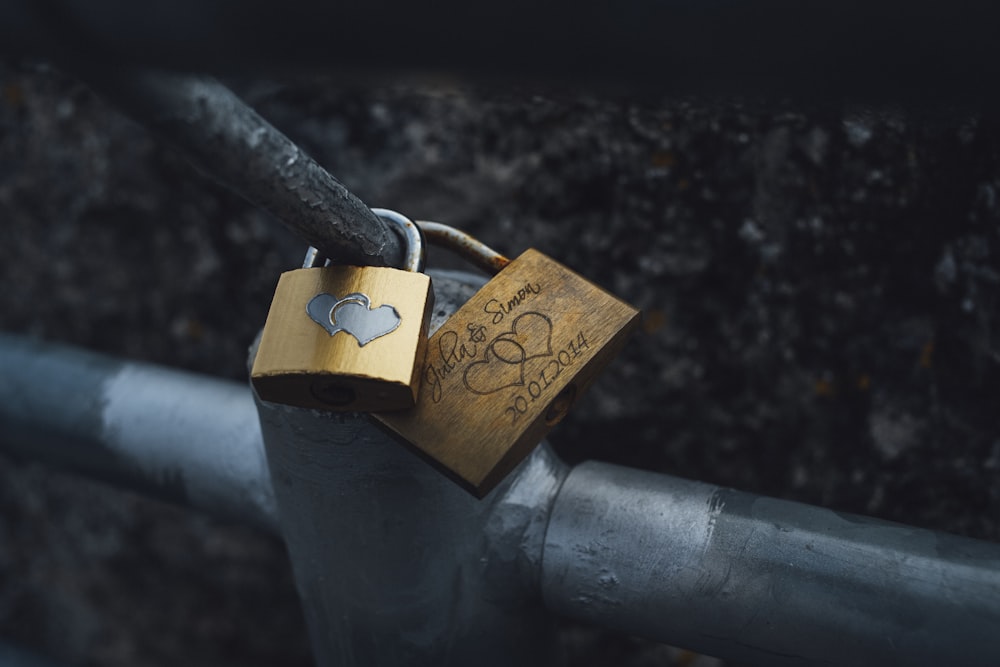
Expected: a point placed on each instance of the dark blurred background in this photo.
(819, 282)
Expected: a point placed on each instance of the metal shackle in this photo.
(464, 245)
(413, 240)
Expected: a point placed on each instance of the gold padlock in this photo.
(347, 337)
(507, 366)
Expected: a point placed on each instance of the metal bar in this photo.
(177, 436)
(230, 142)
(438, 577)
(923, 49)
(764, 581)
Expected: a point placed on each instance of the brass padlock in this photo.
(507, 366)
(347, 337)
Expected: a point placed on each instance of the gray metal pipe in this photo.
(173, 435)
(398, 566)
(764, 581)
(229, 142)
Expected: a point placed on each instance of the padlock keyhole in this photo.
(333, 393)
(560, 405)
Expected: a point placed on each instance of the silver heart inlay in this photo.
(354, 315)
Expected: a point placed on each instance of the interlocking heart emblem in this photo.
(354, 315)
(502, 366)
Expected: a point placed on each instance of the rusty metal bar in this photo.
(465, 246)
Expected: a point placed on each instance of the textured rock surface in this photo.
(820, 288)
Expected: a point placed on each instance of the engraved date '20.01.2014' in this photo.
(537, 386)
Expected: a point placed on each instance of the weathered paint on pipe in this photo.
(173, 435)
(764, 581)
(231, 143)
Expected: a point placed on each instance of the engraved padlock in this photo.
(507, 366)
(347, 337)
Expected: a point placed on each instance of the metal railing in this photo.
(398, 566)
(395, 565)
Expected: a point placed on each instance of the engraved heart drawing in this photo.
(495, 372)
(354, 315)
(533, 333)
(502, 366)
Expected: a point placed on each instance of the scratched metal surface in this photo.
(819, 287)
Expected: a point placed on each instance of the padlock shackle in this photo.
(413, 238)
(409, 232)
(464, 245)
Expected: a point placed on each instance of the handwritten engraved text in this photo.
(499, 308)
(452, 354)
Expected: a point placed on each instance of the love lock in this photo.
(508, 365)
(347, 337)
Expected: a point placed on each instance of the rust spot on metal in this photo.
(464, 245)
(499, 262)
